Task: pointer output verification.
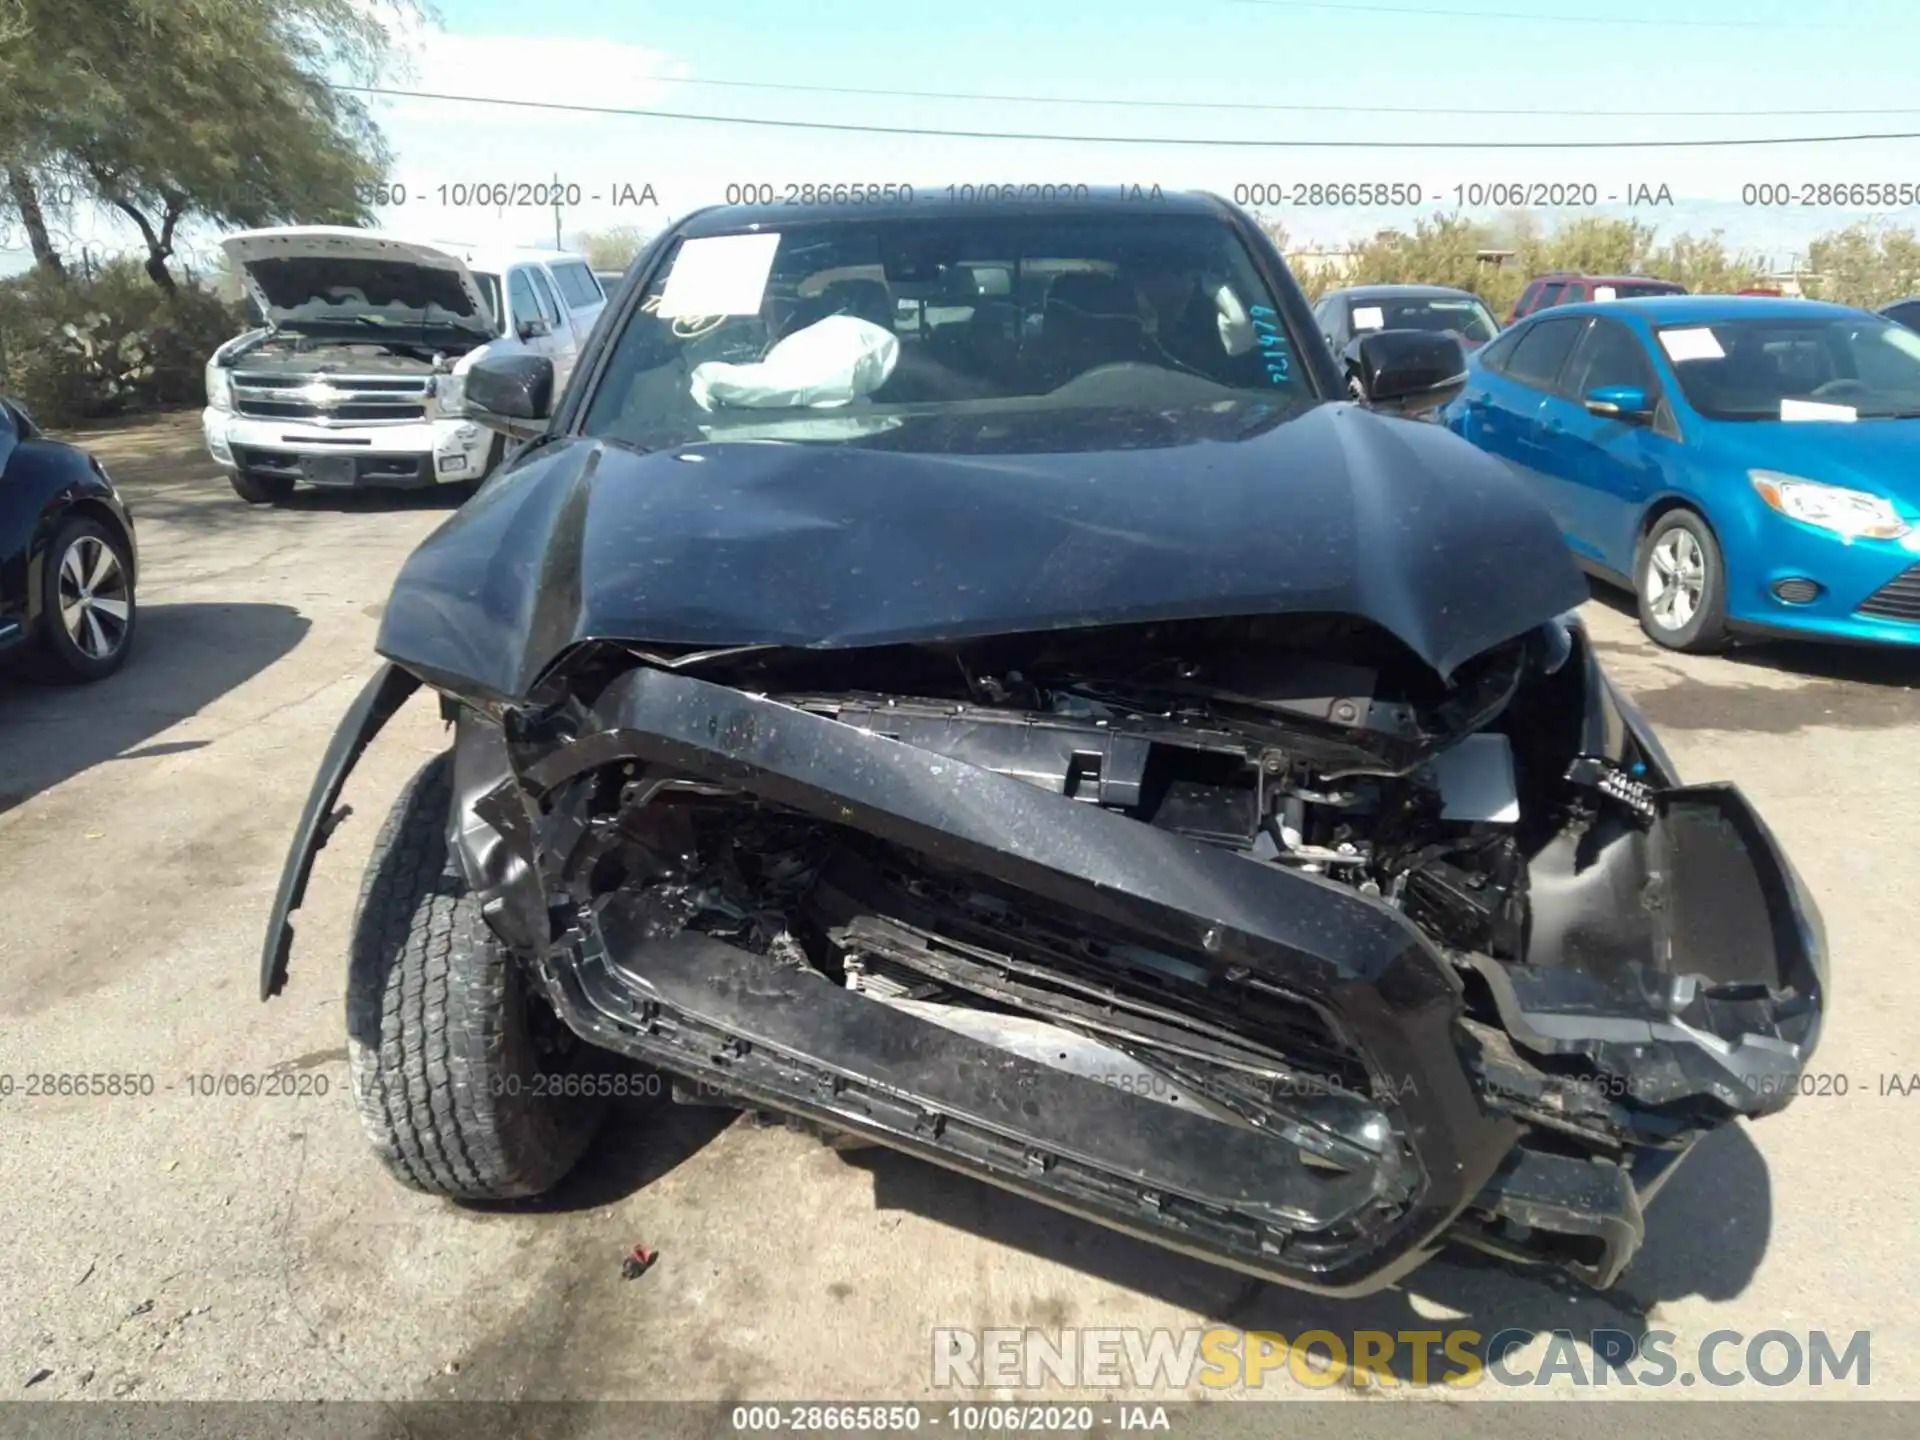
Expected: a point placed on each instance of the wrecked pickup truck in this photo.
(973, 681)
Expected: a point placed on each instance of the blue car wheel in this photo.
(1681, 584)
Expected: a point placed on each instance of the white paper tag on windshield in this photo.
(719, 275)
(1369, 317)
(1697, 343)
(1604, 292)
(1816, 410)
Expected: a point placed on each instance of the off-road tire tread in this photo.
(435, 1034)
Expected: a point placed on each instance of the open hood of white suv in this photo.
(337, 282)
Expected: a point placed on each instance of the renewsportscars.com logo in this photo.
(1223, 1358)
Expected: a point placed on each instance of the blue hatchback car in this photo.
(1743, 463)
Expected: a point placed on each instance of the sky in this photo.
(1433, 94)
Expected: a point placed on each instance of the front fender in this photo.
(365, 718)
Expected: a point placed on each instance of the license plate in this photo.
(327, 469)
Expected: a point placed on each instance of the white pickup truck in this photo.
(357, 378)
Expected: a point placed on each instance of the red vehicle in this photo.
(1565, 288)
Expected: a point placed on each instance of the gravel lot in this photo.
(179, 1246)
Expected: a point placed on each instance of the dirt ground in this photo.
(173, 1244)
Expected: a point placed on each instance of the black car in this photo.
(1903, 312)
(969, 679)
(1344, 315)
(67, 557)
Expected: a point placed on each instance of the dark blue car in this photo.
(1743, 463)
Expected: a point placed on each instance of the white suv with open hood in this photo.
(357, 378)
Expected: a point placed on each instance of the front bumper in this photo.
(1865, 593)
(410, 456)
(1431, 1150)
(1442, 1163)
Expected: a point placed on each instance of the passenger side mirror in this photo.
(512, 394)
(1407, 371)
(1619, 402)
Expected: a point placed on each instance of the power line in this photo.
(1608, 21)
(1129, 103)
(1720, 142)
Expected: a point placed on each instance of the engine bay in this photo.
(296, 354)
(1438, 802)
(1360, 770)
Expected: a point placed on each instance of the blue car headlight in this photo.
(1850, 514)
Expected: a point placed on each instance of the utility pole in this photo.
(556, 210)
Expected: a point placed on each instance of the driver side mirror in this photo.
(532, 329)
(1619, 402)
(1407, 371)
(512, 394)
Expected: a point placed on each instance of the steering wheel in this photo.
(1838, 387)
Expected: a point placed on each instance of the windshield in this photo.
(1463, 316)
(954, 334)
(1840, 368)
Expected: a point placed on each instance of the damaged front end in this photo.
(1250, 937)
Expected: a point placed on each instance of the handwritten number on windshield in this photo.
(1273, 343)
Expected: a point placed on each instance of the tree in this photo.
(24, 197)
(613, 249)
(1866, 265)
(1441, 250)
(221, 110)
(1511, 228)
(1590, 245)
(1449, 249)
(1702, 264)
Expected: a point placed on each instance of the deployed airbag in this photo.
(831, 362)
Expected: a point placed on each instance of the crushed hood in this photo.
(338, 282)
(1338, 510)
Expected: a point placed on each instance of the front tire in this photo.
(87, 605)
(454, 1057)
(1680, 584)
(261, 489)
